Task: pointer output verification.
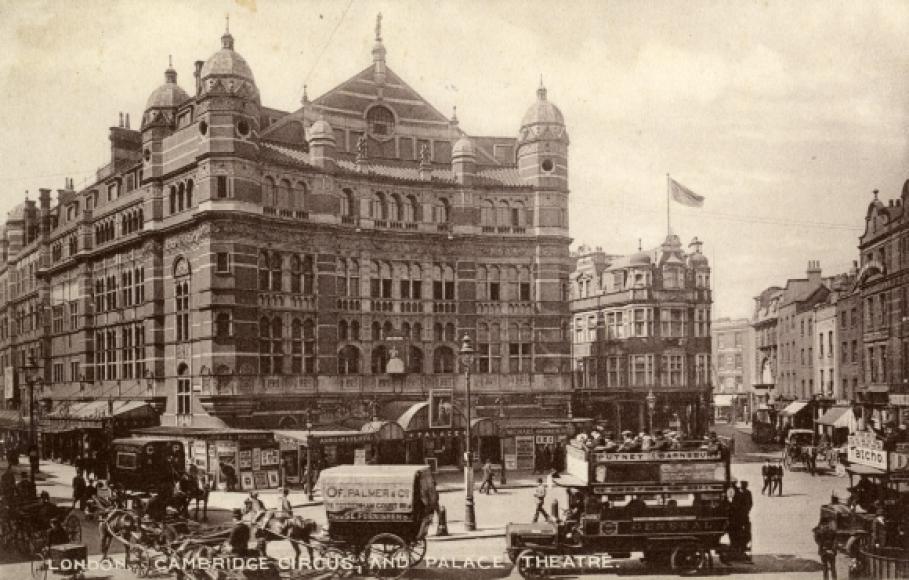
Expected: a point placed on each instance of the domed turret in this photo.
(464, 160)
(639, 259)
(164, 100)
(543, 120)
(227, 71)
(322, 144)
(321, 130)
(463, 147)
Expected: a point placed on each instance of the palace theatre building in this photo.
(239, 266)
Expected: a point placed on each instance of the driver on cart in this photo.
(56, 534)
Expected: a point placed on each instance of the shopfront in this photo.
(317, 449)
(233, 459)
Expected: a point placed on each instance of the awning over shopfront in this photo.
(293, 438)
(839, 418)
(416, 418)
(793, 408)
(100, 410)
(384, 430)
(723, 400)
(484, 427)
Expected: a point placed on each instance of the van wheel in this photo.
(527, 565)
(688, 558)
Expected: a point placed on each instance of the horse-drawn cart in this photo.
(800, 448)
(24, 526)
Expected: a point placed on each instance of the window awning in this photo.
(793, 408)
(100, 410)
(839, 417)
(723, 400)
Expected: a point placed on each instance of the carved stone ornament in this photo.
(189, 240)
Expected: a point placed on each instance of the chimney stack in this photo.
(121, 120)
(197, 74)
(814, 272)
(127, 120)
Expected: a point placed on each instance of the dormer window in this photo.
(381, 123)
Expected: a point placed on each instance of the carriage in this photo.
(147, 464)
(669, 505)
(799, 447)
(24, 526)
(378, 515)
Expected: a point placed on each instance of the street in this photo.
(783, 546)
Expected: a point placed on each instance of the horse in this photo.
(273, 525)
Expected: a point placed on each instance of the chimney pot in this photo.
(127, 120)
(121, 120)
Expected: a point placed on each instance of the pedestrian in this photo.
(253, 504)
(736, 519)
(26, 491)
(33, 458)
(767, 476)
(540, 495)
(488, 473)
(779, 479)
(79, 490)
(825, 537)
(239, 535)
(284, 503)
(747, 502)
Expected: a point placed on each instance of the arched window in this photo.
(415, 360)
(296, 274)
(518, 215)
(189, 194)
(387, 329)
(395, 208)
(300, 194)
(438, 332)
(415, 210)
(443, 360)
(277, 346)
(487, 213)
(379, 359)
(376, 330)
(264, 347)
(283, 197)
(354, 330)
(348, 203)
(417, 332)
(181, 296)
(503, 213)
(276, 273)
(268, 192)
(184, 391)
(349, 360)
(379, 206)
(309, 347)
(443, 211)
(264, 272)
(342, 330)
(222, 325)
(405, 330)
(181, 190)
(296, 347)
(173, 199)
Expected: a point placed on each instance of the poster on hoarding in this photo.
(256, 458)
(440, 409)
(245, 459)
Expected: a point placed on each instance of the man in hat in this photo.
(628, 445)
(825, 537)
(239, 535)
(646, 440)
(767, 476)
(284, 505)
(79, 490)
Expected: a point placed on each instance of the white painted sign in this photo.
(868, 456)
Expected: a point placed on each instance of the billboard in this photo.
(441, 409)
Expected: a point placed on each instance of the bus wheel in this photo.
(527, 565)
(688, 558)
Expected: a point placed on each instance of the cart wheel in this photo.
(527, 565)
(688, 558)
(73, 527)
(416, 551)
(386, 556)
(340, 564)
(39, 567)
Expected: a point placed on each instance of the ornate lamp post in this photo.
(309, 478)
(651, 407)
(32, 377)
(470, 519)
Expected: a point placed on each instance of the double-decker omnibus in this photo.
(670, 505)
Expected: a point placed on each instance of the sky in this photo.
(783, 115)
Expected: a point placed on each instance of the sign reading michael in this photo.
(440, 409)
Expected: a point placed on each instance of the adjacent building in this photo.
(641, 337)
(731, 348)
(236, 265)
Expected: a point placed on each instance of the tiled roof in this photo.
(407, 173)
(507, 176)
(283, 154)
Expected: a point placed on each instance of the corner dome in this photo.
(227, 63)
(639, 259)
(321, 130)
(17, 213)
(463, 147)
(542, 111)
(168, 95)
(698, 259)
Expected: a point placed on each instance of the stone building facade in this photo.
(731, 350)
(641, 329)
(238, 265)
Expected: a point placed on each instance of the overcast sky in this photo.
(784, 115)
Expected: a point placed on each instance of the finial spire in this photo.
(541, 92)
(227, 24)
(875, 194)
(170, 61)
(227, 41)
(170, 75)
(305, 99)
(379, 27)
(454, 114)
(639, 244)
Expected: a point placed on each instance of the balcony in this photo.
(523, 308)
(349, 304)
(444, 307)
(282, 300)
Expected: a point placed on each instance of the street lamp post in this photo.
(651, 407)
(309, 481)
(30, 371)
(470, 519)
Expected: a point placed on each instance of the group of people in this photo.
(548, 457)
(642, 442)
(740, 504)
(772, 474)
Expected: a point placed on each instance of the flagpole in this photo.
(668, 218)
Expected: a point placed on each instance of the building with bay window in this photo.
(641, 327)
(239, 265)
